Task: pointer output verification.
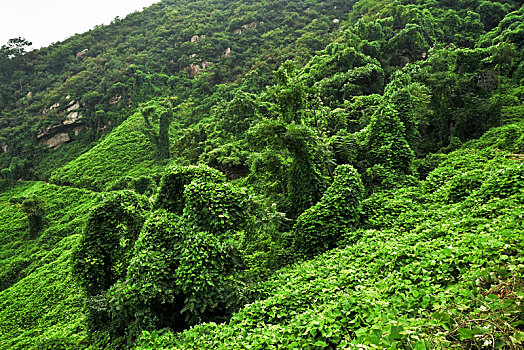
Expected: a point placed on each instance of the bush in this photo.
(144, 185)
(206, 277)
(171, 192)
(215, 207)
(463, 185)
(379, 177)
(105, 248)
(426, 165)
(34, 208)
(149, 297)
(337, 213)
(504, 183)
(387, 143)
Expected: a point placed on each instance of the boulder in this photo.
(56, 141)
(72, 118)
(197, 38)
(46, 111)
(115, 100)
(195, 69)
(73, 105)
(81, 54)
(253, 25)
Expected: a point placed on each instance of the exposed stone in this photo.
(193, 55)
(46, 111)
(44, 132)
(115, 100)
(57, 140)
(253, 25)
(68, 97)
(65, 127)
(197, 38)
(73, 105)
(195, 69)
(250, 25)
(55, 136)
(81, 55)
(79, 129)
(72, 118)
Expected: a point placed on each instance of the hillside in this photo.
(88, 83)
(267, 175)
(437, 265)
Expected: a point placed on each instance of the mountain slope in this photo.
(436, 265)
(40, 303)
(231, 174)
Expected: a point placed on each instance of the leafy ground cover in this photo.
(41, 306)
(363, 156)
(124, 152)
(427, 272)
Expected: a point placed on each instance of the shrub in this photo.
(463, 185)
(34, 208)
(504, 182)
(206, 277)
(123, 183)
(149, 297)
(144, 185)
(379, 177)
(215, 207)
(337, 213)
(387, 143)
(105, 248)
(171, 192)
(426, 165)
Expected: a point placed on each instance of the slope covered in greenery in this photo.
(435, 266)
(40, 303)
(181, 48)
(298, 175)
(125, 151)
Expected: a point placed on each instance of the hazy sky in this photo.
(47, 21)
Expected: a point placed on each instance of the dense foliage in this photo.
(267, 175)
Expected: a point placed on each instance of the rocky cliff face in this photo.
(55, 136)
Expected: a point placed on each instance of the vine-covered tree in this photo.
(158, 116)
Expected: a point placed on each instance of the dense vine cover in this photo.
(267, 175)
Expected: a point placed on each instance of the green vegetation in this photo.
(267, 175)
